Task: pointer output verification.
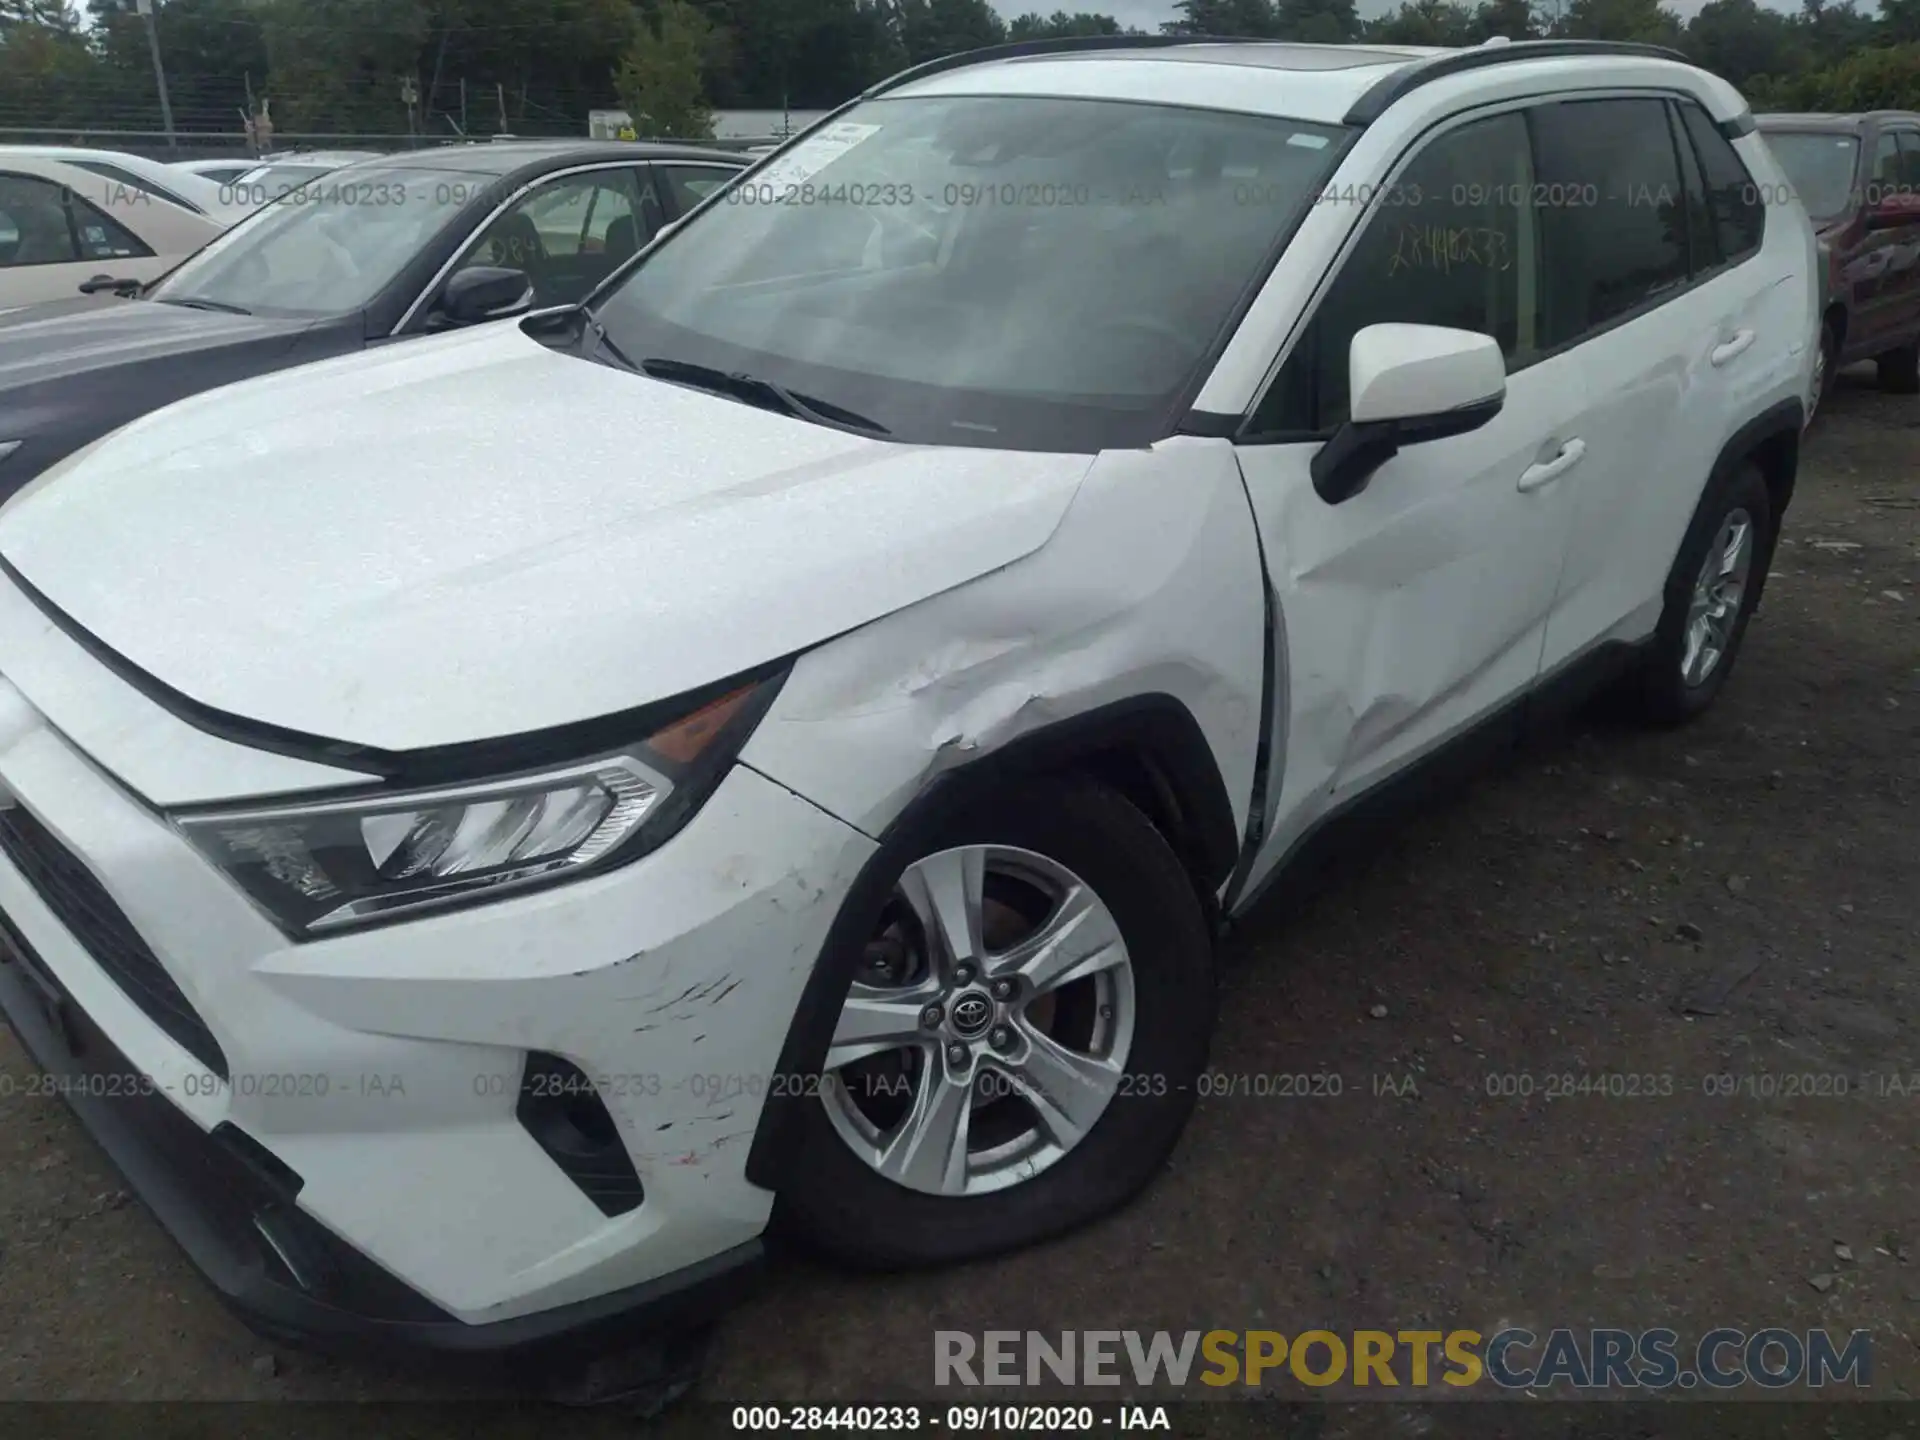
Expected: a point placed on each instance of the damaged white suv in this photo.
(511, 814)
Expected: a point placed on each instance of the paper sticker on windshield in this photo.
(814, 155)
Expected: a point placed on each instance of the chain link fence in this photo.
(234, 144)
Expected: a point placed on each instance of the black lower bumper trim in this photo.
(283, 1273)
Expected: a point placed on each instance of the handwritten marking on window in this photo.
(1446, 248)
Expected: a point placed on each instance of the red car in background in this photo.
(1859, 178)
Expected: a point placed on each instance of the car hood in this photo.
(474, 537)
(69, 337)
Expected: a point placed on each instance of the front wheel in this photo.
(1018, 1051)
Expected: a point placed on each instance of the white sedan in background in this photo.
(62, 226)
(193, 193)
(220, 172)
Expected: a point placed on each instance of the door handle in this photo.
(1548, 471)
(1735, 346)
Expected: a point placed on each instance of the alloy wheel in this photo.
(989, 1026)
(1717, 595)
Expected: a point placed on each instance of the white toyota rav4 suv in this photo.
(493, 824)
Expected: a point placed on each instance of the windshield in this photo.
(1035, 273)
(325, 249)
(1818, 166)
(273, 181)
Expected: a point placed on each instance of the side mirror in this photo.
(485, 292)
(1408, 384)
(1893, 208)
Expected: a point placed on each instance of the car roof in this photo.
(1837, 124)
(318, 157)
(84, 152)
(1329, 84)
(40, 162)
(532, 157)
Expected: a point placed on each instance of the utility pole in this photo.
(410, 97)
(145, 8)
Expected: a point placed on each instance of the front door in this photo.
(1416, 608)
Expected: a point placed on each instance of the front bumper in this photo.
(362, 1177)
(239, 1222)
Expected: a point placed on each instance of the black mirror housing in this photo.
(1342, 467)
(485, 292)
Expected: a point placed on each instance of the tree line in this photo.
(438, 68)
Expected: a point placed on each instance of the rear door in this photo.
(1663, 285)
(1867, 268)
(1900, 279)
(53, 239)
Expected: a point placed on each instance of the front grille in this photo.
(84, 907)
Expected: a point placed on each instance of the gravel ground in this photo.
(1737, 899)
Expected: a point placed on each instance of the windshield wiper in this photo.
(767, 394)
(605, 341)
(197, 304)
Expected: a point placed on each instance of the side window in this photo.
(1450, 242)
(1883, 178)
(565, 214)
(569, 234)
(33, 223)
(101, 236)
(1703, 243)
(553, 227)
(691, 184)
(1617, 236)
(1739, 214)
(1909, 161)
(133, 185)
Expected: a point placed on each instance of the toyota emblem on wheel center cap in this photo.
(971, 1014)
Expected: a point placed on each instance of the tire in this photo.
(1823, 373)
(839, 1200)
(1899, 370)
(1666, 693)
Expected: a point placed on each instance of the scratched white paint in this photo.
(459, 514)
(472, 536)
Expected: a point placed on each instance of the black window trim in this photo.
(109, 171)
(1241, 434)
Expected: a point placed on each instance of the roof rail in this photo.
(1370, 106)
(1065, 45)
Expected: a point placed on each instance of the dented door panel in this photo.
(1414, 609)
(1150, 585)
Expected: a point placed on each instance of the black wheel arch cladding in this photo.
(1148, 741)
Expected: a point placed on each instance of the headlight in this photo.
(330, 865)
